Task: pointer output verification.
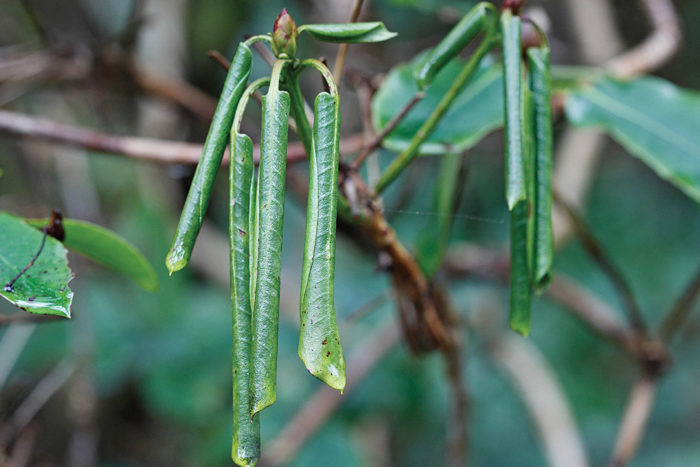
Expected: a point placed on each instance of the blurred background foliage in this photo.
(149, 373)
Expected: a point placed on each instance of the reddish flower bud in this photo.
(284, 35)
(513, 5)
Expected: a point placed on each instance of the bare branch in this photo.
(148, 149)
(544, 398)
(658, 48)
(585, 305)
(634, 420)
(41, 394)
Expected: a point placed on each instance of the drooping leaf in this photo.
(43, 288)
(198, 197)
(270, 207)
(652, 118)
(319, 340)
(106, 248)
(512, 90)
(477, 110)
(245, 448)
(350, 33)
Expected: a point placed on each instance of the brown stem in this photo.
(148, 149)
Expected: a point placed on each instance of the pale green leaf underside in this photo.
(43, 288)
(652, 118)
(477, 111)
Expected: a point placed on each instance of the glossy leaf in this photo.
(452, 44)
(432, 243)
(212, 154)
(540, 87)
(349, 32)
(319, 340)
(43, 288)
(106, 248)
(270, 207)
(476, 111)
(246, 430)
(652, 118)
(512, 90)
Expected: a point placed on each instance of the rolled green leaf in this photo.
(349, 32)
(512, 91)
(319, 340)
(245, 448)
(452, 44)
(270, 207)
(520, 288)
(540, 86)
(198, 197)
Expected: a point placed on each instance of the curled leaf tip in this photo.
(284, 35)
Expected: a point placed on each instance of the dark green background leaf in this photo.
(652, 118)
(107, 248)
(43, 288)
(477, 110)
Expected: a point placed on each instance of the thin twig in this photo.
(343, 49)
(634, 420)
(544, 398)
(147, 149)
(596, 251)
(41, 394)
(393, 123)
(680, 310)
(321, 405)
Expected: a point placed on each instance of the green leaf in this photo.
(270, 213)
(350, 33)
(319, 340)
(520, 289)
(106, 248)
(477, 110)
(652, 118)
(512, 90)
(245, 448)
(213, 152)
(43, 288)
